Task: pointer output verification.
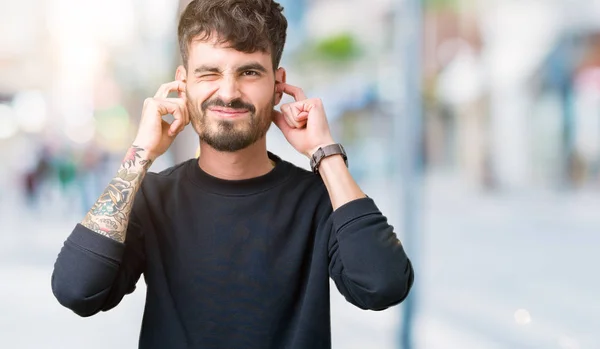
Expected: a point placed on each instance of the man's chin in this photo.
(230, 135)
(226, 147)
(227, 141)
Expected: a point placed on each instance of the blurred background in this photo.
(474, 124)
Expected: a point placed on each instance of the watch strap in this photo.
(326, 151)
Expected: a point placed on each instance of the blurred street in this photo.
(516, 269)
(471, 292)
(495, 103)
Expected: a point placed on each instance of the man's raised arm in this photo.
(110, 214)
(90, 274)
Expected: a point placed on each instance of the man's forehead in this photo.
(214, 51)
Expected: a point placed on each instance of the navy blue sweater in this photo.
(236, 264)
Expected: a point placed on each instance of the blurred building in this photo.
(73, 75)
(485, 119)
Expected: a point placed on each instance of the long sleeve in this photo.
(93, 273)
(366, 260)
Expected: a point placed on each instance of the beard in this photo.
(230, 135)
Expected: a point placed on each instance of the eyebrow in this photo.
(206, 68)
(244, 67)
(252, 66)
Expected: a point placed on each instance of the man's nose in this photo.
(229, 89)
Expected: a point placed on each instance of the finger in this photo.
(288, 113)
(302, 116)
(184, 121)
(166, 128)
(295, 113)
(280, 121)
(183, 100)
(300, 119)
(178, 104)
(164, 89)
(291, 90)
(181, 93)
(175, 128)
(179, 124)
(183, 106)
(170, 106)
(299, 111)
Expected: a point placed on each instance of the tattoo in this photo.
(87, 221)
(109, 216)
(132, 155)
(109, 223)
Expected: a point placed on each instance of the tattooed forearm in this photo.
(110, 214)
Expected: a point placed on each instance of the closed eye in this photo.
(208, 77)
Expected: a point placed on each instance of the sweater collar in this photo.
(207, 182)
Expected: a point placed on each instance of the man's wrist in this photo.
(331, 163)
(312, 151)
(138, 157)
(142, 154)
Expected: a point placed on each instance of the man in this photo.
(236, 246)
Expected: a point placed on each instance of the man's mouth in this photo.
(228, 112)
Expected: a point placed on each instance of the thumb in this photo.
(280, 122)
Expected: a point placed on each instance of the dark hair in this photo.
(244, 25)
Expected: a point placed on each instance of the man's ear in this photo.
(279, 78)
(180, 74)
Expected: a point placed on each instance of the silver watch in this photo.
(323, 152)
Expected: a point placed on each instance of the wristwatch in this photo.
(323, 152)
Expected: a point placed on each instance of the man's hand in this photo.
(155, 135)
(303, 122)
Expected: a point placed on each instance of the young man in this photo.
(236, 246)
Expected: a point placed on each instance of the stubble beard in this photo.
(230, 135)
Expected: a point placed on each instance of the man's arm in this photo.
(339, 182)
(104, 256)
(367, 261)
(109, 216)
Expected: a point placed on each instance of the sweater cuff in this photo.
(353, 210)
(96, 243)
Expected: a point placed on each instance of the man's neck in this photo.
(250, 162)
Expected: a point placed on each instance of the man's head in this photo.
(231, 51)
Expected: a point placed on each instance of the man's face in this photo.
(230, 94)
